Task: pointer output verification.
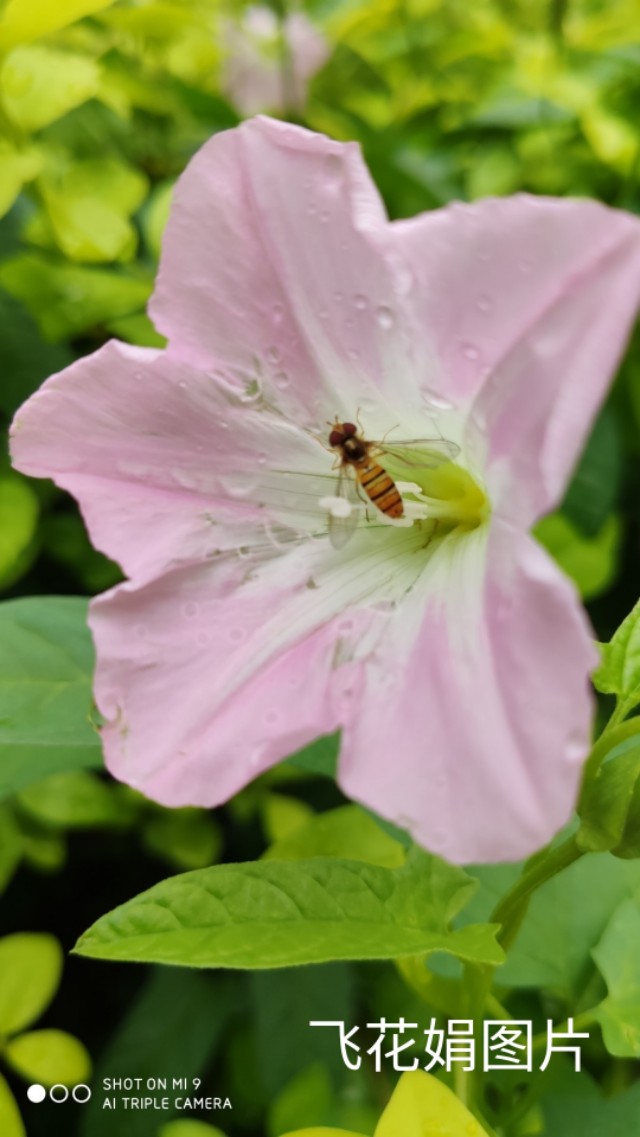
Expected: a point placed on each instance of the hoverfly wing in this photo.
(343, 526)
(421, 453)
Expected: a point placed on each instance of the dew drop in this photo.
(273, 355)
(338, 297)
(244, 551)
(272, 717)
(434, 399)
(237, 635)
(324, 216)
(203, 638)
(385, 317)
(281, 380)
(353, 354)
(470, 351)
(140, 630)
(190, 610)
(384, 606)
(333, 173)
(345, 626)
(483, 303)
(182, 383)
(278, 313)
(360, 302)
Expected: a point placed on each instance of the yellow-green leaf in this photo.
(40, 84)
(421, 1106)
(49, 1057)
(11, 1124)
(25, 20)
(17, 166)
(19, 511)
(30, 970)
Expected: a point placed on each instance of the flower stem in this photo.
(511, 910)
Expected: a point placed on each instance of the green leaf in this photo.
(566, 918)
(18, 164)
(26, 358)
(89, 205)
(321, 757)
(618, 959)
(49, 1057)
(592, 1115)
(189, 1129)
(75, 801)
(67, 299)
(591, 562)
(40, 84)
(25, 20)
(187, 838)
(344, 832)
(44, 849)
(19, 510)
(595, 485)
(46, 661)
(285, 1002)
(277, 913)
(11, 1124)
(30, 970)
(10, 846)
(422, 1106)
(619, 671)
(282, 816)
(193, 1011)
(609, 805)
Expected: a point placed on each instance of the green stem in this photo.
(511, 910)
(615, 732)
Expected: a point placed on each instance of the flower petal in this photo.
(168, 464)
(475, 717)
(285, 271)
(212, 673)
(488, 273)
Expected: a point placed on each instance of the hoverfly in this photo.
(359, 455)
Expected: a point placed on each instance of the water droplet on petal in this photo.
(273, 354)
(278, 313)
(190, 610)
(237, 635)
(345, 626)
(281, 380)
(483, 303)
(272, 717)
(470, 351)
(324, 216)
(333, 172)
(434, 399)
(385, 317)
(203, 638)
(360, 302)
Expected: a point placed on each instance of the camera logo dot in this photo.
(59, 1093)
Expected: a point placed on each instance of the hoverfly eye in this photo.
(349, 428)
(336, 438)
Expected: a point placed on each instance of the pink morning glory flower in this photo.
(270, 62)
(446, 646)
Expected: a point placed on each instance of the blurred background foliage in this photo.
(101, 106)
